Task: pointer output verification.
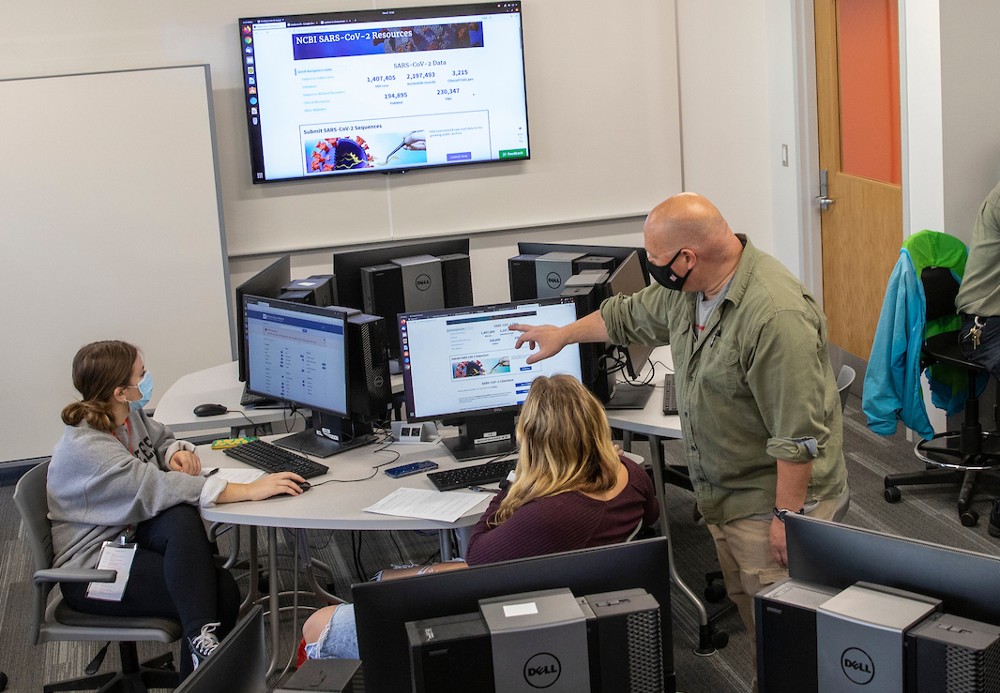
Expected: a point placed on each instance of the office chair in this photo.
(956, 456)
(53, 619)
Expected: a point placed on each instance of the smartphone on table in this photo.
(411, 468)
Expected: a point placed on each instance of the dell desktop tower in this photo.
(423, 288)
(382, 294)
(596, 375)
(368, 350)
(953, 654)
(456, 272)
(786, 636)
(521, 274)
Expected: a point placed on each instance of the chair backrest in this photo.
(32, 502)
(844, 380)
(940, 289)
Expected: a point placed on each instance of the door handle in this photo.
(823, 201)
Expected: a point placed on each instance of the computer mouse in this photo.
(305, 486)
(210, 409)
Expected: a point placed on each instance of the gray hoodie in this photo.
(99, 484)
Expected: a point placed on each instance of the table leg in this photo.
(253, 577)
(308, 562)
(705, 646)
(447, 545)
(274, 603)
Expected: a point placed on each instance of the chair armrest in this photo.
(74, 575)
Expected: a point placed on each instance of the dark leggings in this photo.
(173, 576)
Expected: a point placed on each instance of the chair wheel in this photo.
(720, 639)
(892, 494)
(969, 518)
(715, 592)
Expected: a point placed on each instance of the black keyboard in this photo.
(273, 459)
(474, 475)
(669, 395)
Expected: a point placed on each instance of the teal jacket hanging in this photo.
(892, 390)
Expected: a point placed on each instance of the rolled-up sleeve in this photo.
(788, 378)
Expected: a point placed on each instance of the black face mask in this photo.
(666, 277)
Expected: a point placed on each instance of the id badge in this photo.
(115, 556)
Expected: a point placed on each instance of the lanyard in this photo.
(128, 429)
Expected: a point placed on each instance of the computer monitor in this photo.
(298, 354)
(238, 665)
(269, 282)
(460, 363)
(628, 278)
(837, 555)
(347, 265)
(383, 608)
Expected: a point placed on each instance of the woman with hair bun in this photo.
(116, 473)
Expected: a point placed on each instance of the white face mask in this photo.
(145, 387)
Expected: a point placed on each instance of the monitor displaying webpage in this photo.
(297, 354)
(463, 360)
(382, 90)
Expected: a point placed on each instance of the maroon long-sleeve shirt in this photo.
(565, 522)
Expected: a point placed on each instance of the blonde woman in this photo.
(572, 490)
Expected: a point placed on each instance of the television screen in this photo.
(384, 90)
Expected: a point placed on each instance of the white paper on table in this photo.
(446, 506)
(116, 557)
(239, 476)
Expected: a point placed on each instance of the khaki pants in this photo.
(744, 550)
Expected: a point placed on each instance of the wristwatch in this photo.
(781, 512)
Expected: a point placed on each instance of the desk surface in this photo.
(218, 384)
(650, 420)
(339, 504)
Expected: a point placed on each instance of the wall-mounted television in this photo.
(383, 90)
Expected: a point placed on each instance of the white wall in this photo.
(744, 67)
(920, 101)
(970, 120)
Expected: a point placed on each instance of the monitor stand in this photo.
(312, 442)
(480, 437)
(629, 397)
(317, 441)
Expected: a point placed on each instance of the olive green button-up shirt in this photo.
(757, 386)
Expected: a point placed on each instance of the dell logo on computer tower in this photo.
(542, 670)
(423, 282)
(857, 666)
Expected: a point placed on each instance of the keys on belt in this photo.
(975, 332)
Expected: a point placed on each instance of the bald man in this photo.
(758, 398)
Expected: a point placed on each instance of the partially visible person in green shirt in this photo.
(978, 298)
(757, 396)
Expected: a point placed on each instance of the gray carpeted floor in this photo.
(926, 513)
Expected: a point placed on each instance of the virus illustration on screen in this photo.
(340, 153)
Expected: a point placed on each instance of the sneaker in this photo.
(994, 526)
(204, 644)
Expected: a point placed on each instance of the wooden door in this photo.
(857, 82)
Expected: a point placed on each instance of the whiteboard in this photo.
(112, 229)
